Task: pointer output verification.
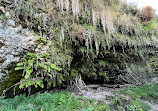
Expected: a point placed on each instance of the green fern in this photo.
(31, 65)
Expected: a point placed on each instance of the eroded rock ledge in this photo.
(14, 42)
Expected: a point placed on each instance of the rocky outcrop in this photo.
(14, 42)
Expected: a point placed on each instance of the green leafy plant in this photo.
(36, 68)
(41, 41)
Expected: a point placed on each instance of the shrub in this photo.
(147, 14)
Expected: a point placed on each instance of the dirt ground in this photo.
(105, 94)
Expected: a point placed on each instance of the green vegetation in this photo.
(138, 105)
(41, 41)
(142, 91)
(154, 63)
(36, 69)
(58, 101)
(151, 26)
(134, 97)
(64, 101)
(148, 92)
(120, 103)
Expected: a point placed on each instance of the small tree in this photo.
(147, 14)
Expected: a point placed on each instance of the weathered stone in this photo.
(2, 9)
(1, 25)
(1, 61)
(8, 15)
(11, 22)
(14, 42)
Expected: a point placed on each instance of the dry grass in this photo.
(75, 8)
(95, 17)
(63, 4)
(107, 21)
(128, 24)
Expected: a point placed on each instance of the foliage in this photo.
(130, 8)
(117, 102)
(121, 103)
(154, 63)
(89, 68)
(143, 91)
(58, 101)
(138, 105)
(41, 41)
(36, 68)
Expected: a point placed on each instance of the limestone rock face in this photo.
(14, 42)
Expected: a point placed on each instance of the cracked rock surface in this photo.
(14, 42)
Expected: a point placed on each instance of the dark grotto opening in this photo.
(104, 68)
